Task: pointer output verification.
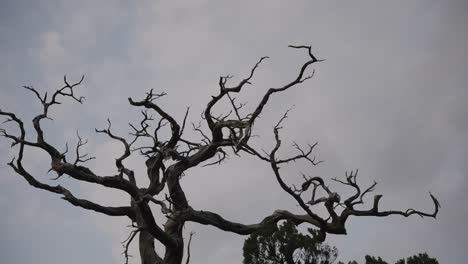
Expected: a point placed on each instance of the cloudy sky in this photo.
(390, 99)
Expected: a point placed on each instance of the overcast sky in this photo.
(390, 99)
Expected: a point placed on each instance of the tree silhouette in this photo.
(169, 154)
(373, 260)
(284, 244)
(421, 258)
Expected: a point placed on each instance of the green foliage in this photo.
(373, 260)
(421, 258)
(284, 244)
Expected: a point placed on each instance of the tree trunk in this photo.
(174, 255)
(147, 253)
(289, 256)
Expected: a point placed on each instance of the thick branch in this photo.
(68, 196)
(213, 219)
(374, 211)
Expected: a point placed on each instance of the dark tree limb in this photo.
(148, 103)
(126, 243)
(80, 158)
(216, 220)
(119, 161)
(68, 196)
(224, 91)
(188, 247)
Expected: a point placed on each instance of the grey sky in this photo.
(390, 99)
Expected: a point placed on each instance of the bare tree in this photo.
(168, 159)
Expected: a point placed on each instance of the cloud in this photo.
(389, 99)
(52, 51)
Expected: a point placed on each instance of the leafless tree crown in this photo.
(167, 160)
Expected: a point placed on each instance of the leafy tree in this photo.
(169, 153)
(284, 244)
(421, 258)
(373, 260)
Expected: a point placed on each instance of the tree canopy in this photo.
(374, 260)
(284, 244)
(421, 258)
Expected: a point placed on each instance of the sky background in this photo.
(390, 99)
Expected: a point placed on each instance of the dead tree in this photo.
(166, 160)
